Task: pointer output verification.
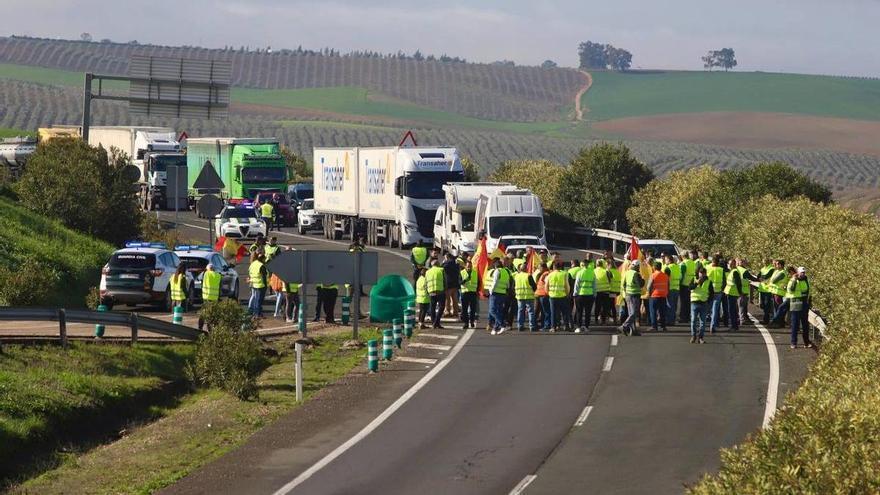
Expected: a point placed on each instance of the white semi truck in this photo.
(513, 217)
(389, 194)
(455, 220)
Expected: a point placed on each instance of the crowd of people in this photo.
(546, 293)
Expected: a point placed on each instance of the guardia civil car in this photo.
(196, 259)
(140, 273)
(239, 221)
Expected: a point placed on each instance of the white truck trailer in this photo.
(454, 222)
(512, 217)
(389, 194)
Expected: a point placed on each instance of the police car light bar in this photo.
(194, 247)
(142, 244)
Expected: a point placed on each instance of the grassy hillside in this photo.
(630, 94)
(72, 261)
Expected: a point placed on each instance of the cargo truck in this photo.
(389, 194)
(512, 217)
(14, 153)
(246, 166)
(455, 219)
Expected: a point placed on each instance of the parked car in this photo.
(307, 219)
(196, 259)
(239, 221)
(285, 212)
(140, 273)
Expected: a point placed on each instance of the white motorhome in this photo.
(390, 194)
(454, 222)
(512, 217)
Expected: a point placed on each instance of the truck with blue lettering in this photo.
(388, 195)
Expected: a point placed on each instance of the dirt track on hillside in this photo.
(752, 130)
(578, 110)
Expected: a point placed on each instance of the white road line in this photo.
(438, 336)
(523, 484)
(583, 417)
(433, 347)
(407, 359)
(608, 362)
(338, 451)
(773, 382)
(613, 340)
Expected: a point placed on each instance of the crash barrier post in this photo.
(99, 327)
(409, 321)
(346, 306)
(298, 367)
(387, 344)
(397, 329)
(177, 319)
(373, 355)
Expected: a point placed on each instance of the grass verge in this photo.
(7, 132)
(201, 428)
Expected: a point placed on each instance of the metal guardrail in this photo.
(134, 321)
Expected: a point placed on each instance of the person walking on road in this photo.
(559, 288)
(779, 282)
(524, 290)
(672, 270)
(423, 299)
(733, 290)
(267, 213)
(715, 273)
(658, 292)
(258, 280)
(497, 285)
(452, 279)
(542, 315)
(764, 290)
(700, 293)
(632, 290)
(797, 295)
(469, 283)
(747, 277)
(437, 291)
(419, 259)
(688, 267)
(585, 294)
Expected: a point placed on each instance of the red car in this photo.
(285, 213)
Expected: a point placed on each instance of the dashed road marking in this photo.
(433, 347)
(523, 484)
(608, 362)
(407, 359)
(613, 340)
(583, 417)
(438, 336)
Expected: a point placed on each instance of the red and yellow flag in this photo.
(481, 263)
(533, 261)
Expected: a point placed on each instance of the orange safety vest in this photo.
(541, 285)
(659, 284)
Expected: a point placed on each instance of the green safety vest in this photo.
(616, 277)
(522, 288)
(600, 274)
(793, 289)
(270, 251)
(674, 276)
(556, 284)
(211, 286)
(517, 262)
(730, 289)
(420, 255)
(746, 285)
(584, 282)
(765, 276)
(503, 281)
(630, 286)
(291, 288)
(435, 280)
(716, 275)
(700, 292)
(470, 282)
(688, 272)
(257, 280)
(266, 210)
(778, 282)
(422, 296)
(177, 291)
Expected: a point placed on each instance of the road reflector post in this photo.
(177, 319)
(387, 344)
(373, 355)
(409, 322)
(99, 327)
(398, 333)
(298, 368)
(301, 317)
(346, 307)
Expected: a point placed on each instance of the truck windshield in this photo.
(258, 175)
(467, 221)
(532, 226)
(161, 163)
(429, 185)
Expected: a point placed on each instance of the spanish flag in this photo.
(229, 248)
(533, 261)
(481, 263)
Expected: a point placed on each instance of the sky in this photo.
(836, 37)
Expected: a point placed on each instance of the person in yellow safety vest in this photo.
(574, 268)
(418, 257)
(602, 276)
(798, 295)
(672, 269)
(559, 289)
(267, 212)
(524, 289)
(437, 291)
(688, 267)
(178, 287)
(700, 293)
(258, 280)
(777, 284)
(327, 294)
(211, 281)
(518, 260)
(497, 285)
(584, 291)
(614, 288)
(470, 281)
(715, 273)
(271, 249)
(632, 285)
(733, 289)
(747, 277)
(423, 299)
(291, 302)
(764, 290)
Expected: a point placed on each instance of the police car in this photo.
(239, 221)
(140, 273)
(196, 259)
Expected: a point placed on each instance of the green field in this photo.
(631, 94)
(54, 77)
(6, 132)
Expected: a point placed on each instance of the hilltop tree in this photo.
(618, 58)
(549, 64)
(724, 58)
(85, 37)
(592, 55)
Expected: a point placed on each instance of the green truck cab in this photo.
(246, 166)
